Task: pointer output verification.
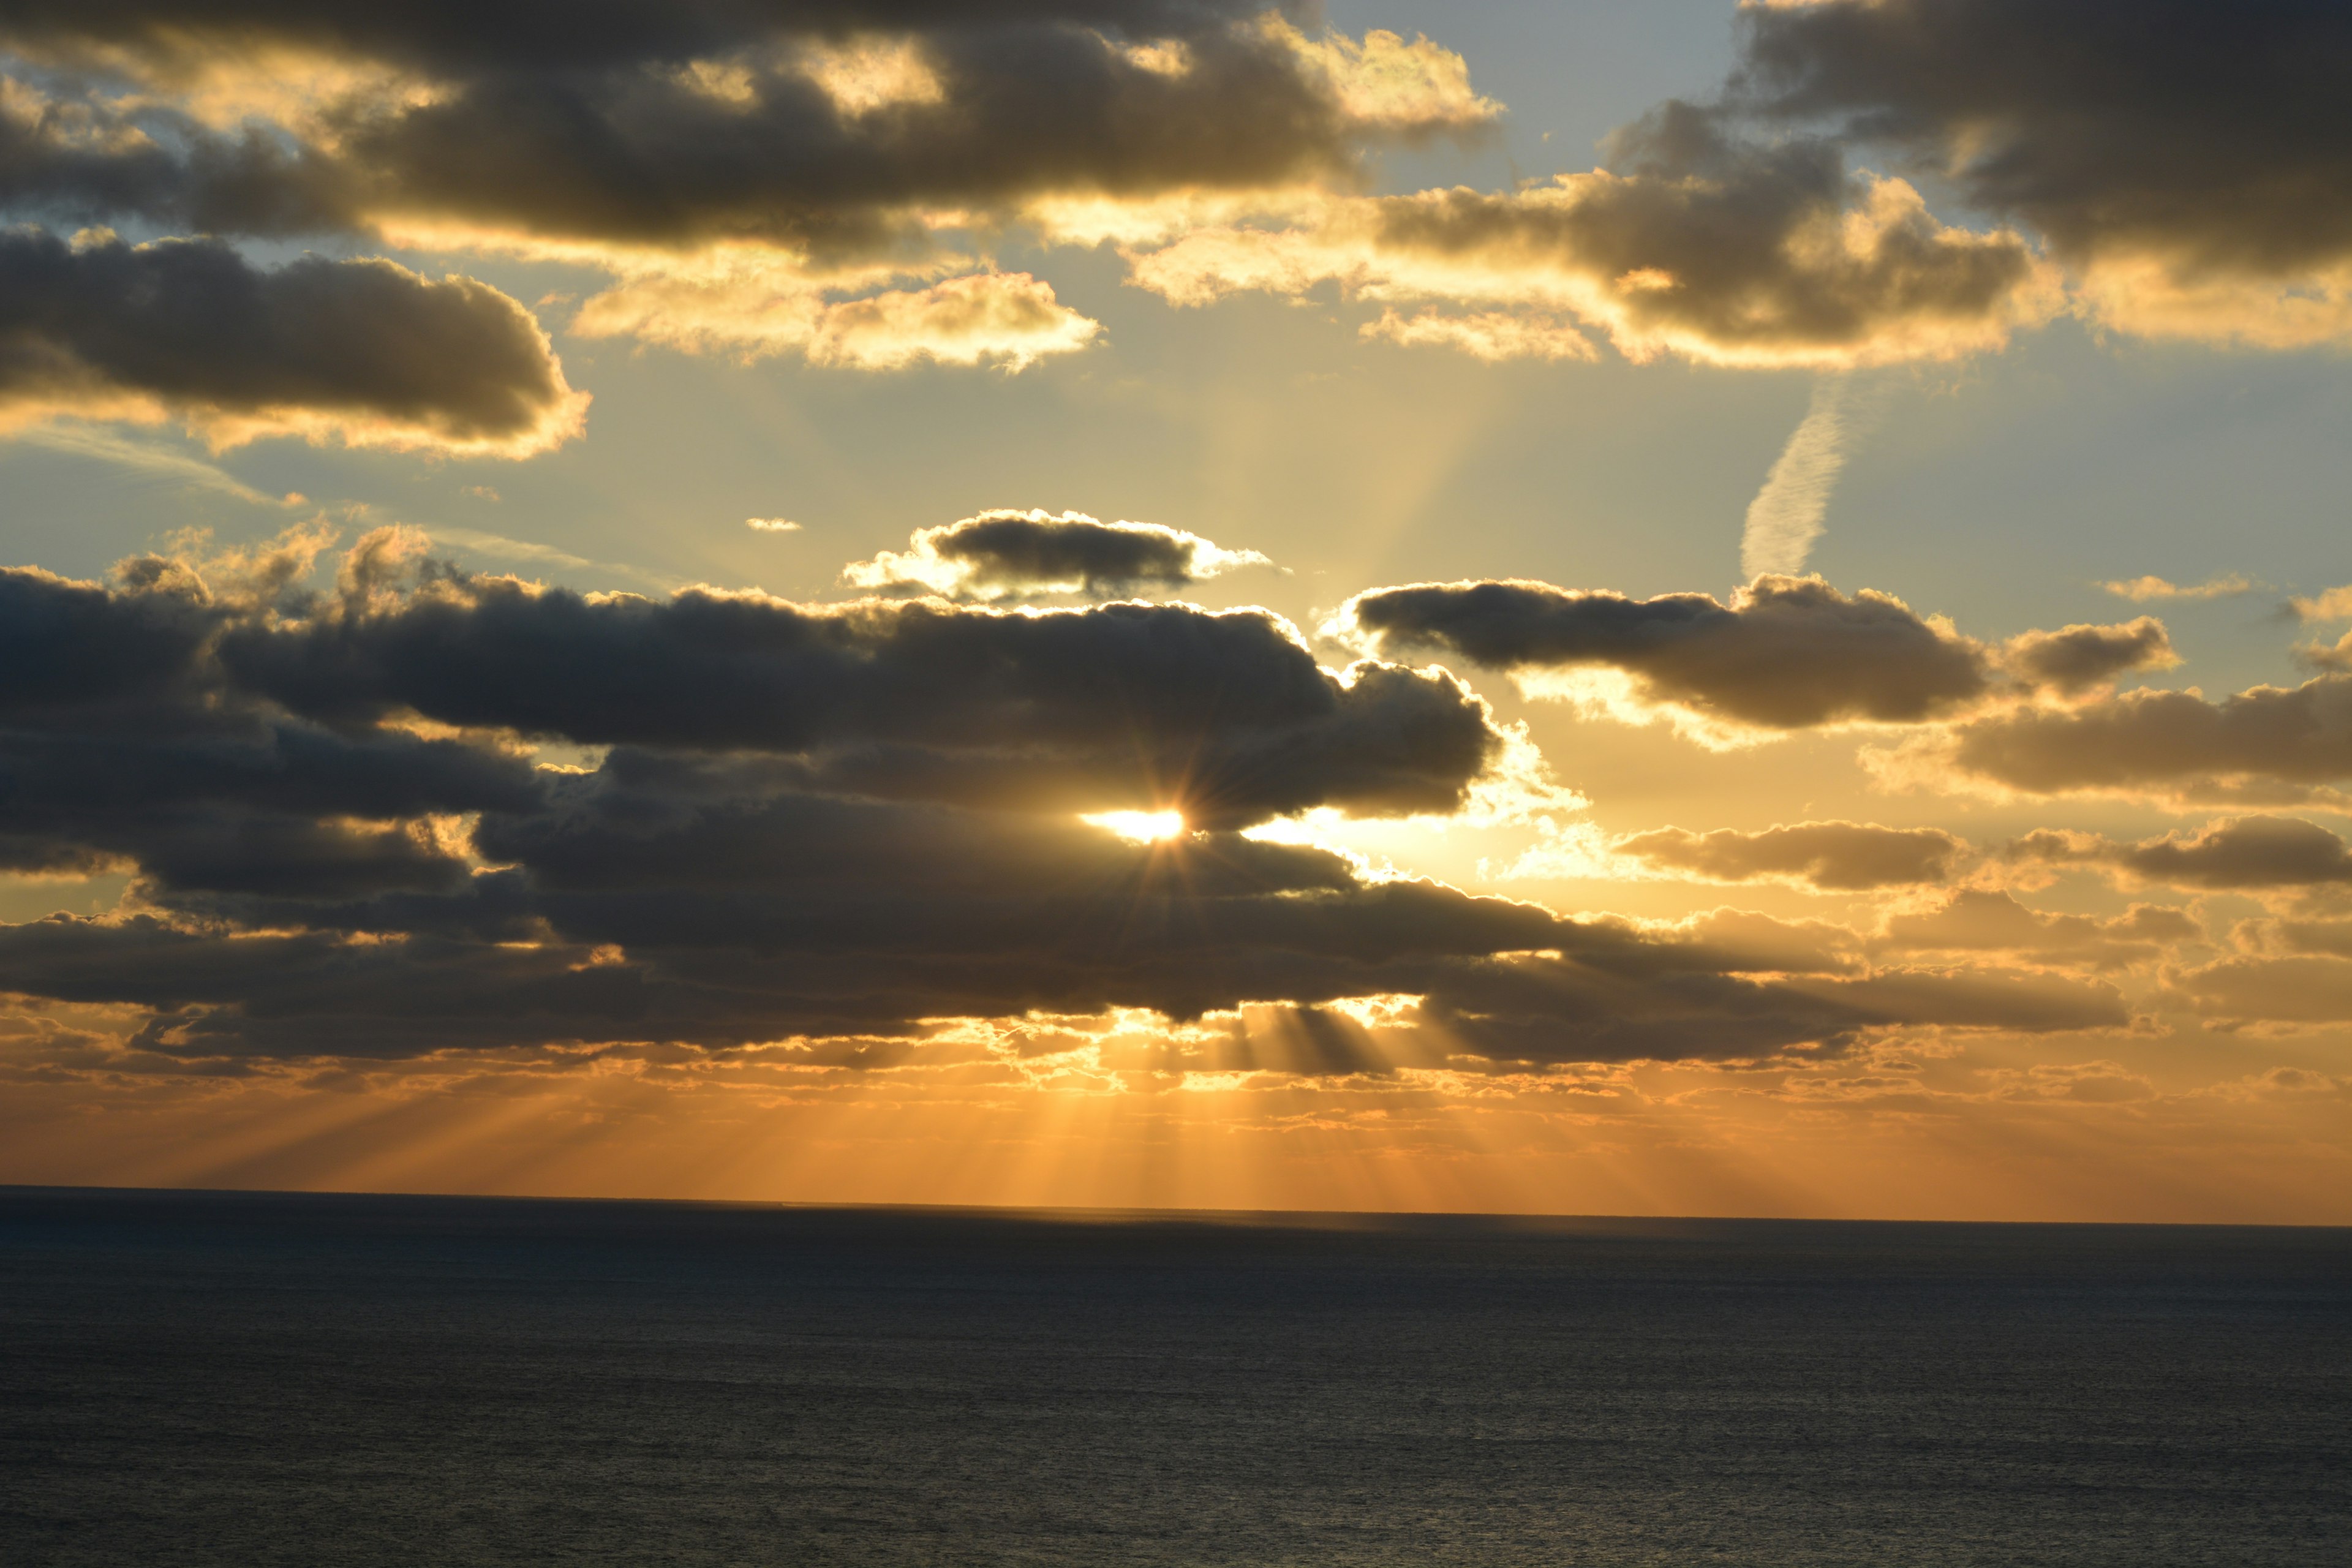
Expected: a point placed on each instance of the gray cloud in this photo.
(2247, 852)
(2210, 134)
(452, 35)
(1843, 856)
(1723, 249)
(315, 879)
(1703, 240)
(1006, 553)
(2275, 741)
(2079, 658)
(721, 123)
(190, 328)
(1785, 653)
(119, 744)
(1225, 716)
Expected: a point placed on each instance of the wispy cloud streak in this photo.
(162, 462)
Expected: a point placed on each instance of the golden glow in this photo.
(1140, 827)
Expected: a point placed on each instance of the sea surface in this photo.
(262, 1379)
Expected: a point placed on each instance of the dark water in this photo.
(206, 1378)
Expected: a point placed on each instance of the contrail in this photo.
(1785, 518)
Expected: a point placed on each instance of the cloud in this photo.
(1842, 856)
(757, 305)
(1005, 554)
(2236, 992)
(365, 350)
(1225, 716)
(1489, 335)
(800, 824)
(1978, 921)
(2334, 604)
(808, 131)
(2268, 744)
(772, 525)
(824, 183)
(2079, 659)
(2184, 158)
(2235, 853)
(1722, 252)
(2142, 590)
(1786, 653)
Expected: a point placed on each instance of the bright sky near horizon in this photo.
(1585, 607)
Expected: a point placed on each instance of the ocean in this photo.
(199, 1378)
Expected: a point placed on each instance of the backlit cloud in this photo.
(1717, 251)
(2142, 590)
(2268, 744)
(2186, 159)
(826, 182)
(1005, 553)
(800, 823)
(1786, 653)
(365, 352)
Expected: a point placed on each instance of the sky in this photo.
(1587, 607)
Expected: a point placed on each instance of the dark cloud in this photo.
(1843, 856)
(1007, 553)
(453, 35)
(190, 328)
(811, 128)
(781, 842)
(2214, 136)
(2079, 658)
(120, 744)
(1696, 243)
(1224, 716)
(1785, 653)
(1706, 240)
(2275, 741)
(2243, 853)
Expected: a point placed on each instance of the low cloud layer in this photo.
(1007, 554)
(798, 823)
(187, 330)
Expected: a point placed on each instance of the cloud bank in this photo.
(797, 824)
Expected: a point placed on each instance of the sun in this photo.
(1141, 827)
